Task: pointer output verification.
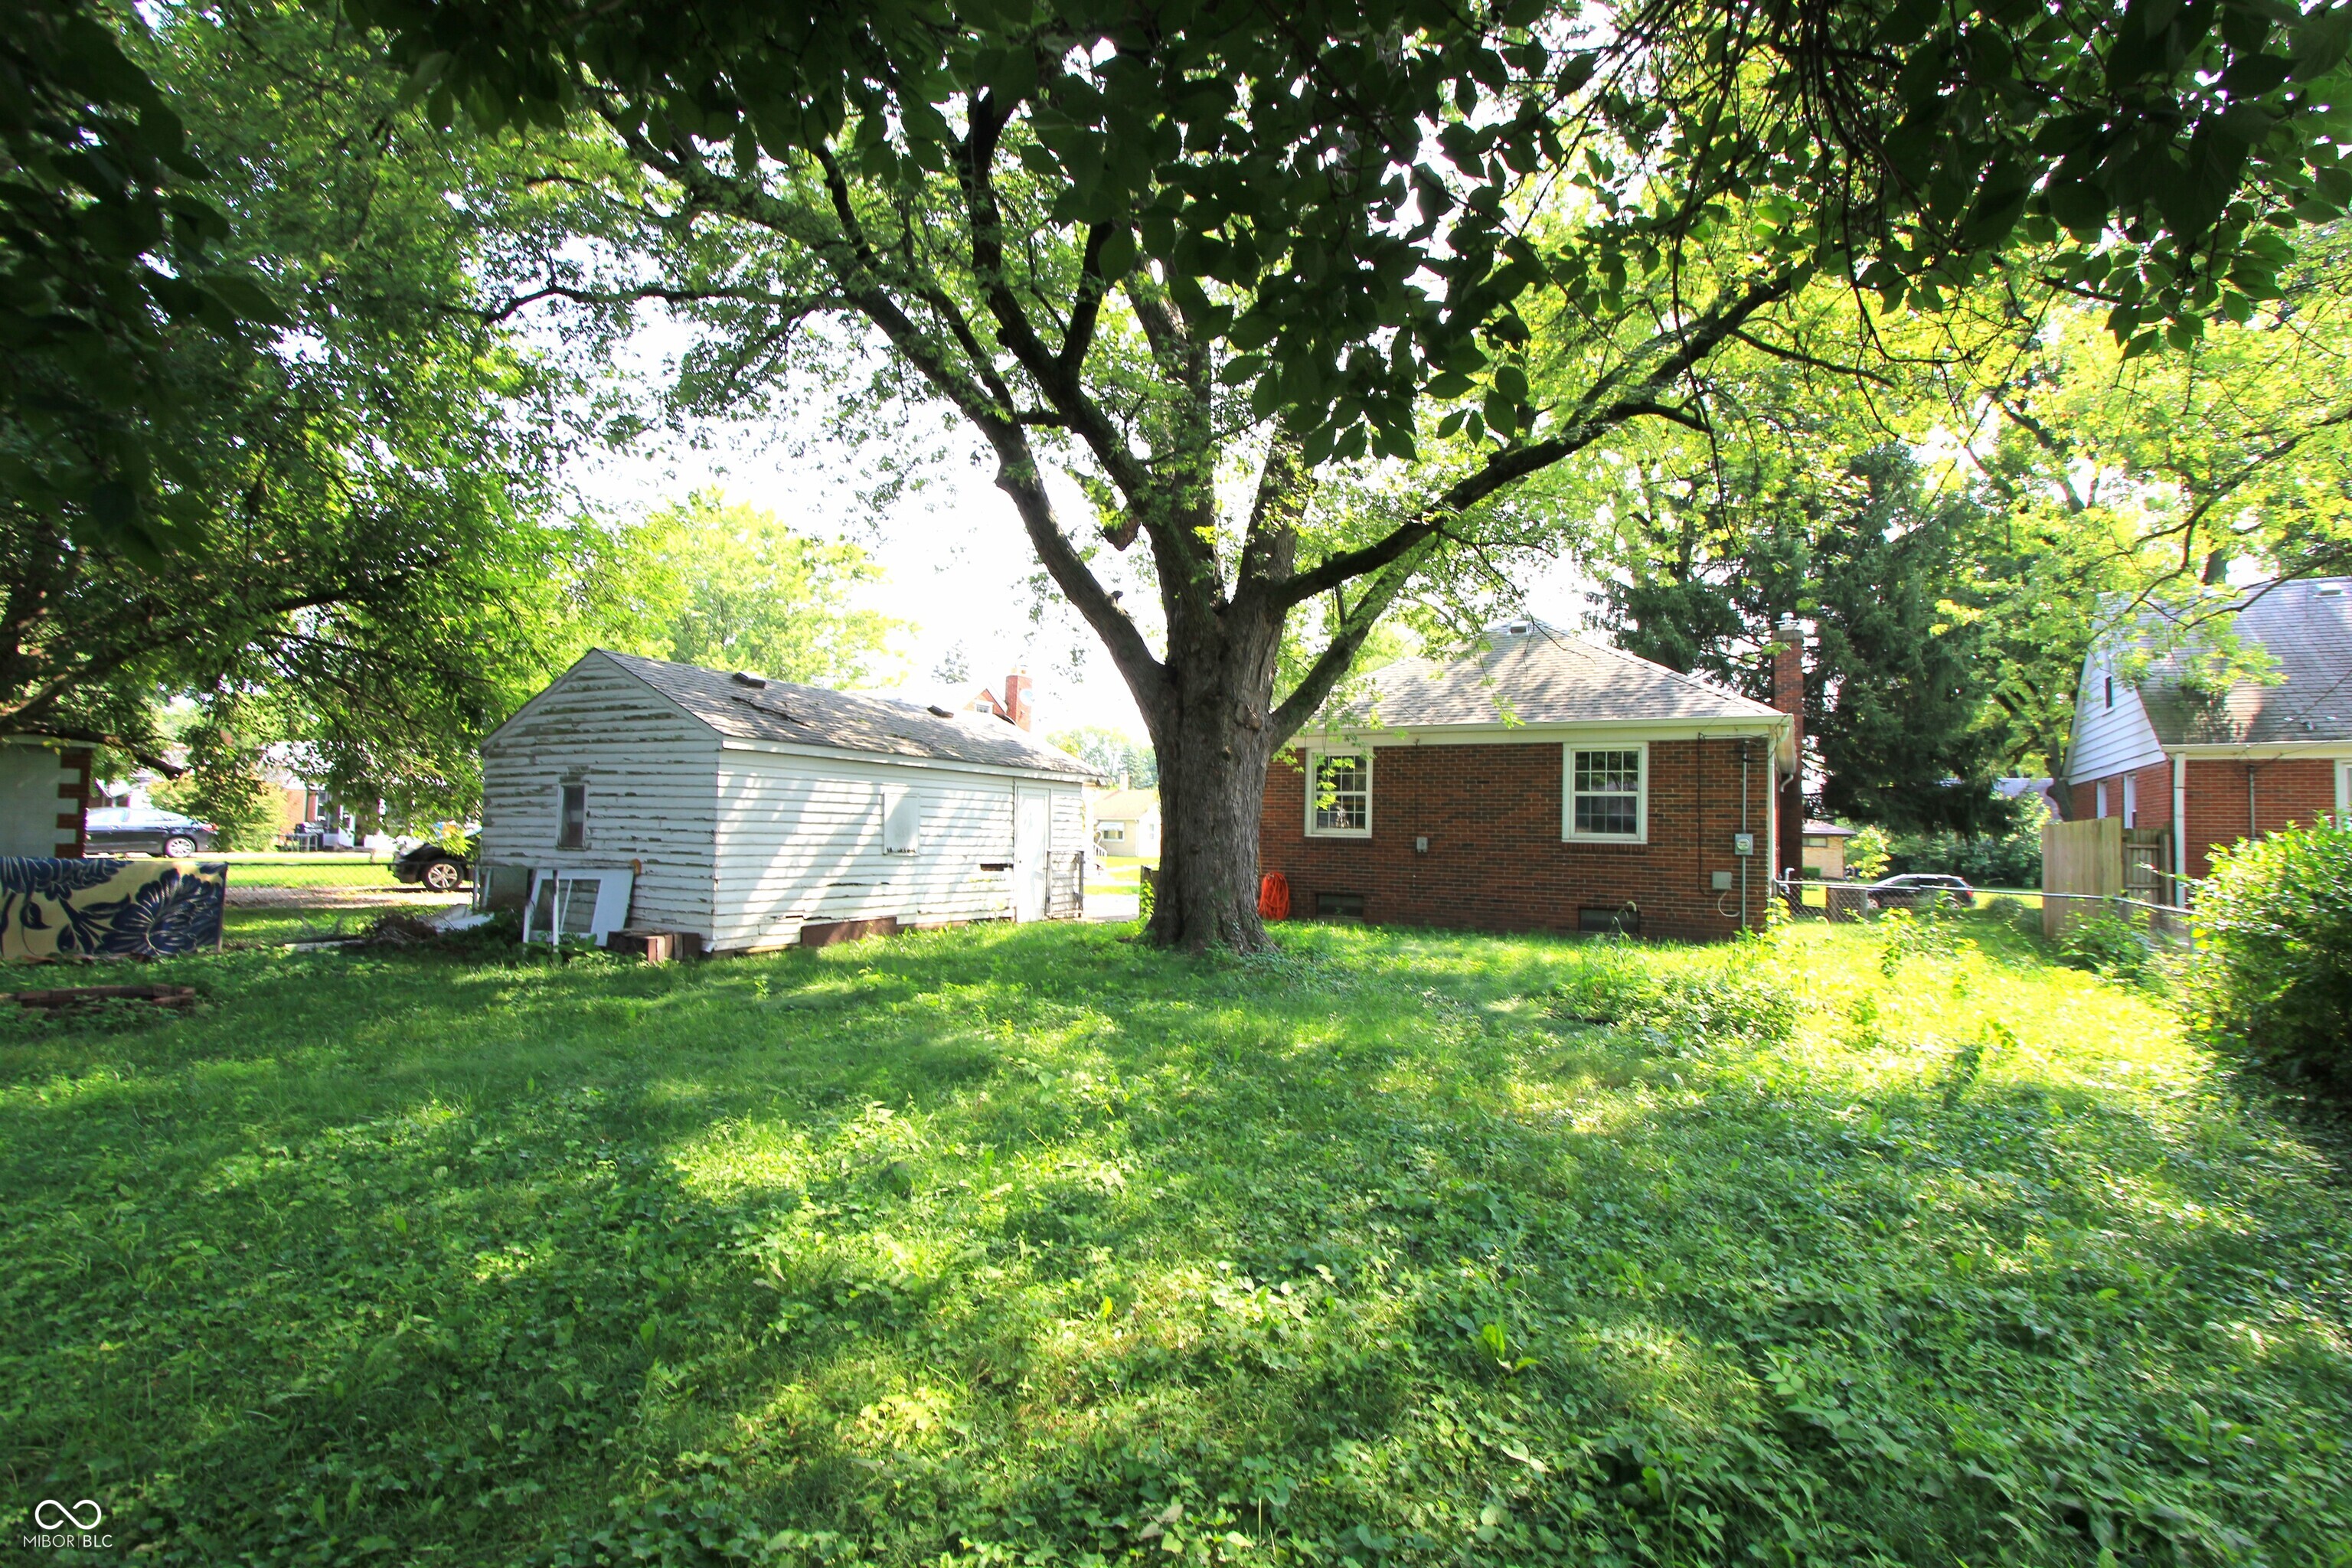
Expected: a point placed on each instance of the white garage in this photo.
(751, 814)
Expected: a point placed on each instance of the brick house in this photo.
(2152, 748)
(1541, 782)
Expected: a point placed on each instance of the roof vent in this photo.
(1514, 628)
(745, 678)
(2331, 589)
(936, 711)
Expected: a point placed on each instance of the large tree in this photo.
(1172, 248)
(731, 586)
(339, 538)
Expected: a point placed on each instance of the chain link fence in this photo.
(1842, 903)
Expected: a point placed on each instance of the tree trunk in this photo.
(1215, 740)
(1212, 790)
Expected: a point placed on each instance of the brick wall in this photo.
(2151, 797)
(1496, 860)
(2285, 789)
(73, 801)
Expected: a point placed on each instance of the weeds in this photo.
(1036, 1246)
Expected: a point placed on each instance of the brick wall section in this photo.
(2286, 789)
(2151, 793)
(1496, 859)
(73, 799)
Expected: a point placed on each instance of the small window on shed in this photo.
(2111, 691)
(902, 820)
(571, 823)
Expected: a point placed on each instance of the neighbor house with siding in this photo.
(1541, 781)
(756, 814)
(2188, 767)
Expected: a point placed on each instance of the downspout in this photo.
(2181, 828)
(1746, 749)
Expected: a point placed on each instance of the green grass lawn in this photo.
(1028, 1246)
(307, 872)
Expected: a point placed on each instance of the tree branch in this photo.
(1514, 463)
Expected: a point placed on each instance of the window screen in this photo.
(1343, 792)
(571, 826)
(1605, 793)
(902, 820)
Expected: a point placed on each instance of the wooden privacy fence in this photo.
(2101, 868)
(2081, 862)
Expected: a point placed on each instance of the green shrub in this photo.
(2010, 858)
(2273, 980)
(1865, 855)
(2107, 944)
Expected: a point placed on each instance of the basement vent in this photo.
(1339, 907)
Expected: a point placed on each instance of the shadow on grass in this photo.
(1010, 1240)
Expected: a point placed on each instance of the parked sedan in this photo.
(144, 830)
(437, 868)
(1912, 888)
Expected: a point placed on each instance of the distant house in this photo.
(1541, 782)
(2188, 769)
(1825, 850)
(1015, 706)
(1127, 822)
(753, 814)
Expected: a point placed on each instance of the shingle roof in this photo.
(2307, 627)
(1544, 676)
(816, 716)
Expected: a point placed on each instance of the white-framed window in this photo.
(2131, 801)
(2101, 792)
(1111, 832)
(1340, 792)
(1607, 793)
(572, 816)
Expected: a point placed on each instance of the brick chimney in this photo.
(1788, 697)
(1016, 699)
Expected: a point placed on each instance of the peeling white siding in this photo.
(651, 775)
(741, 845)
(799, 842)
(2109, 741)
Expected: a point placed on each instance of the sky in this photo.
(957, 564)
